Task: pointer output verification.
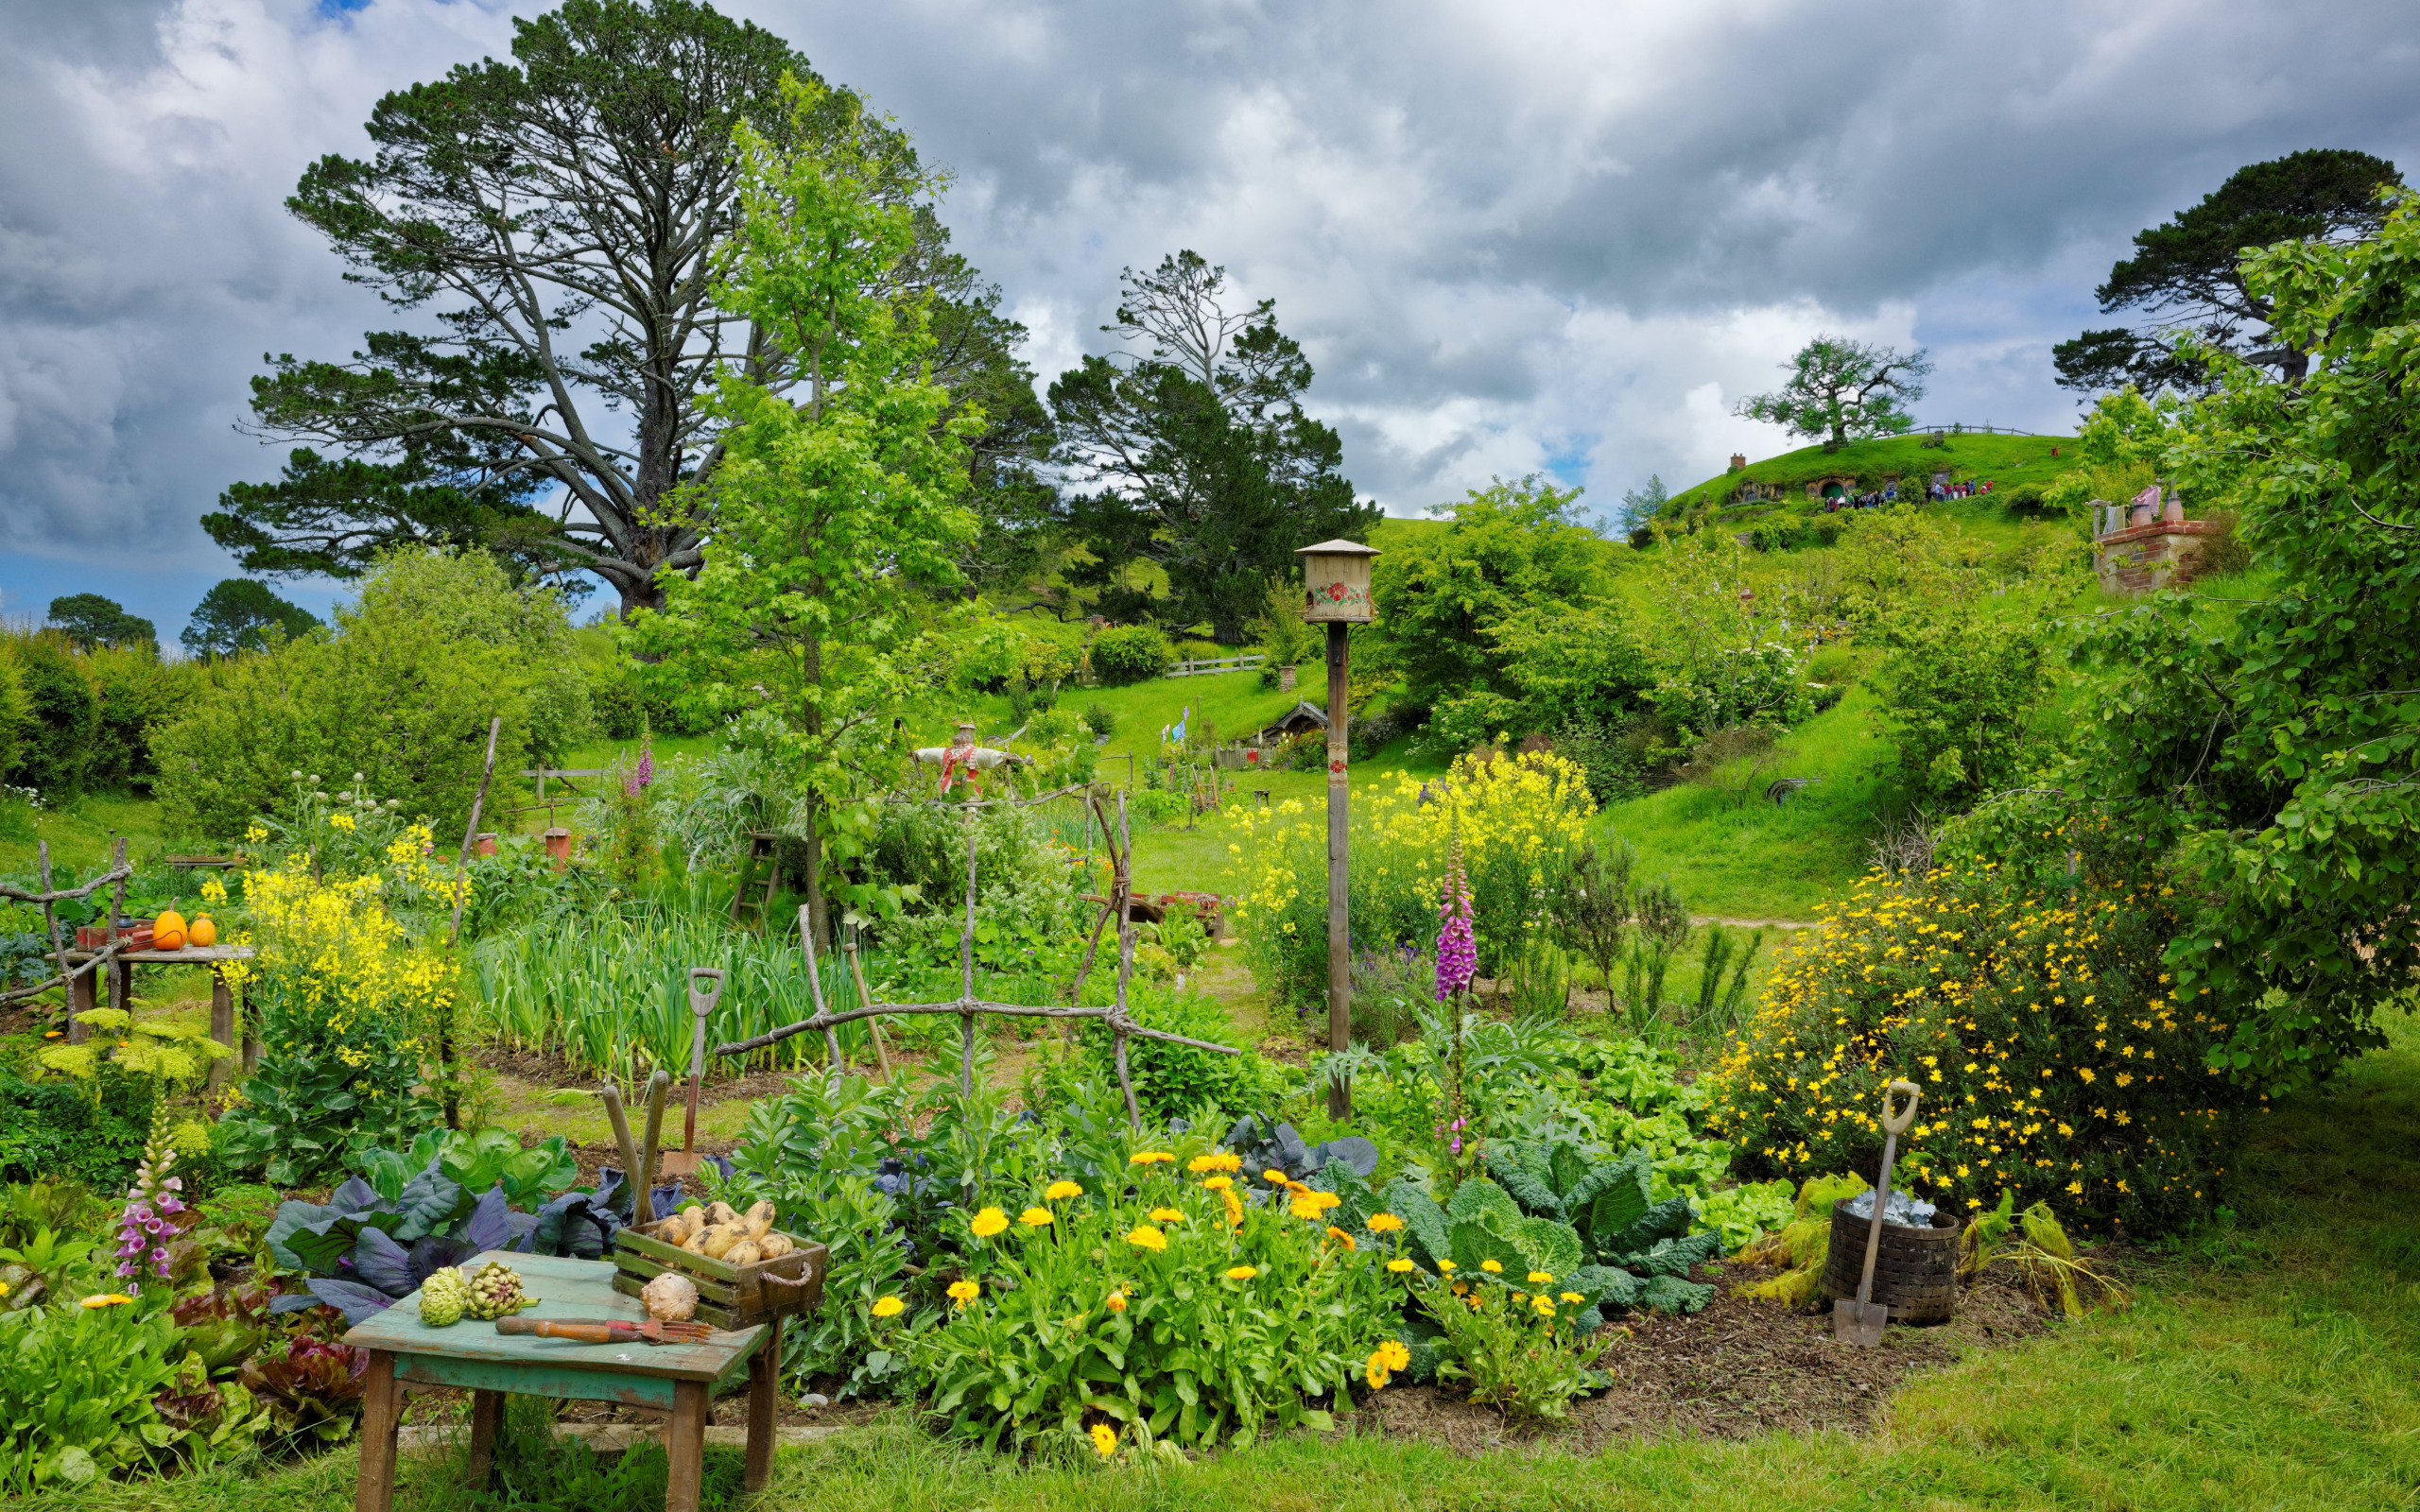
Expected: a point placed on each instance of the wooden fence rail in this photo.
(1205, 666)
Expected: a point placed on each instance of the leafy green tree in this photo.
(1443, 597)
(241, 614)
(1639, 506)
(1202, 457)
(557, 220)
(1958, 691)
(400, 689)
(2271, 760)
(1840, 391)
(2186, 276)
(61, 716)
(838, 518)
(90, 621)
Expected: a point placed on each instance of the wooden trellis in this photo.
(48, 899)
(967, 1005)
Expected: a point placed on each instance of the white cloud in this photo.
(1562, 236)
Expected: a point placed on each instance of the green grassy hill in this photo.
(2009, 461)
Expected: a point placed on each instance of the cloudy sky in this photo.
(1513, 237)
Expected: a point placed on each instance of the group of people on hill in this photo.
(1889, 493)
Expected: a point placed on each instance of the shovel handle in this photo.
(1897, 1122)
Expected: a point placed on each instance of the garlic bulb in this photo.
(670, 1298)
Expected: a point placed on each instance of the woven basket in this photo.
(1916, 1270)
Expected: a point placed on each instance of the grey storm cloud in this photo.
(1543, 236)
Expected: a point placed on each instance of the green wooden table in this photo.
(472, 1356)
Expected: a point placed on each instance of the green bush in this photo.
(1130, 653)
(62, 717)
(2051, 1057)
(400, 690)
(1175, 1081)
(1958, 691)
(1100, 720)
(61, 1129)
(135, 693)
(75, 1392)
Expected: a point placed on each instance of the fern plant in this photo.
(174, 1048)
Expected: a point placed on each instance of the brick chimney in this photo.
(1738, 462)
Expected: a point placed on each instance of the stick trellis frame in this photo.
(47, 900)
(968, 1006)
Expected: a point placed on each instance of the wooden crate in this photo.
(728, 1296)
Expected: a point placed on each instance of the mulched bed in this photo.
(1741, 1367)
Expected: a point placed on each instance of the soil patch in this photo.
(1742, 1368)
(547, 1068)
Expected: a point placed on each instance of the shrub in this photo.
(92, 1133)
(1175, 1081)
(1157, 805)
(1100, 720)
(62, 717)
(2053, 1059)
(1516, 817)
(1130, 653)
(344, 1001)
(1198, 1328)
(1958, 691)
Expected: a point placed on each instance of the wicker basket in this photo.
(1916, 1270)
(728, 1296)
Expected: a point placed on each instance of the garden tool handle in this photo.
(1881, 1195)
(643, 1206)
(700, 1004)
(555, 1329)
(612, 1096)
(1897, 1122)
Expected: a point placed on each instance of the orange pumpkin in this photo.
(168, 931)
(201, 933)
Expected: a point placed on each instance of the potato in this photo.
(722, 1212)
(743, 1253)
(695, 1243)
(719, 1239)
(775, 1246)
(761, 1213)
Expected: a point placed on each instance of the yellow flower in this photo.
(1167, 1215)
(1394, 1355)
(1235, 1209)
(1399, 1265)
(1544, 1306)
(889, 1307)
(1494, 1267)
(1149, 1157)
(1445, 1267)
(1538, 1278)
(1060, 1192)
(1215, 1161)
(1116, 1302)
(1377, 1374)
(1216, 1184)
(1147, 1237)
(1241, 1273)
(1036, 1218)
(1339, 1235)
(1277, 1176)
(101, 1299)
(1385, 1223)
(964, 1292)
(1104, 1440)
(1574, 1298)
(1305, 1209)
(989, 1222)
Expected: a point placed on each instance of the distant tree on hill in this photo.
(2186, 275)
(1639, 506)
(1204, 457)
(237, 615)
(90, 621)
(1842, 390)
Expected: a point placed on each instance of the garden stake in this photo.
(858, 975)
(613, 1114)
(659, 1087)
(1862, 1321)
(700, 1004)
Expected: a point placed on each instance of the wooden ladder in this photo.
(762, 850)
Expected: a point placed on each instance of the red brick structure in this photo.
(2147, 544)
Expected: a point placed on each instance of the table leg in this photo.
(764, 1399)
(382, 1403)
(685, 1445)
(222, 1026)
(83, 997)
(487, 1418)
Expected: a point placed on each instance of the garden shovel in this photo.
(1862, 1321)
(642, 1205)
(685, 1162)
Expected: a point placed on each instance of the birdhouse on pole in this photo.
(1336, 582)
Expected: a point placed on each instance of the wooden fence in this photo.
(1202, 667)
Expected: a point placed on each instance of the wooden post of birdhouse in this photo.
(1336, 593)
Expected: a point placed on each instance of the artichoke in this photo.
(495, 1292)
(443, 1296)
